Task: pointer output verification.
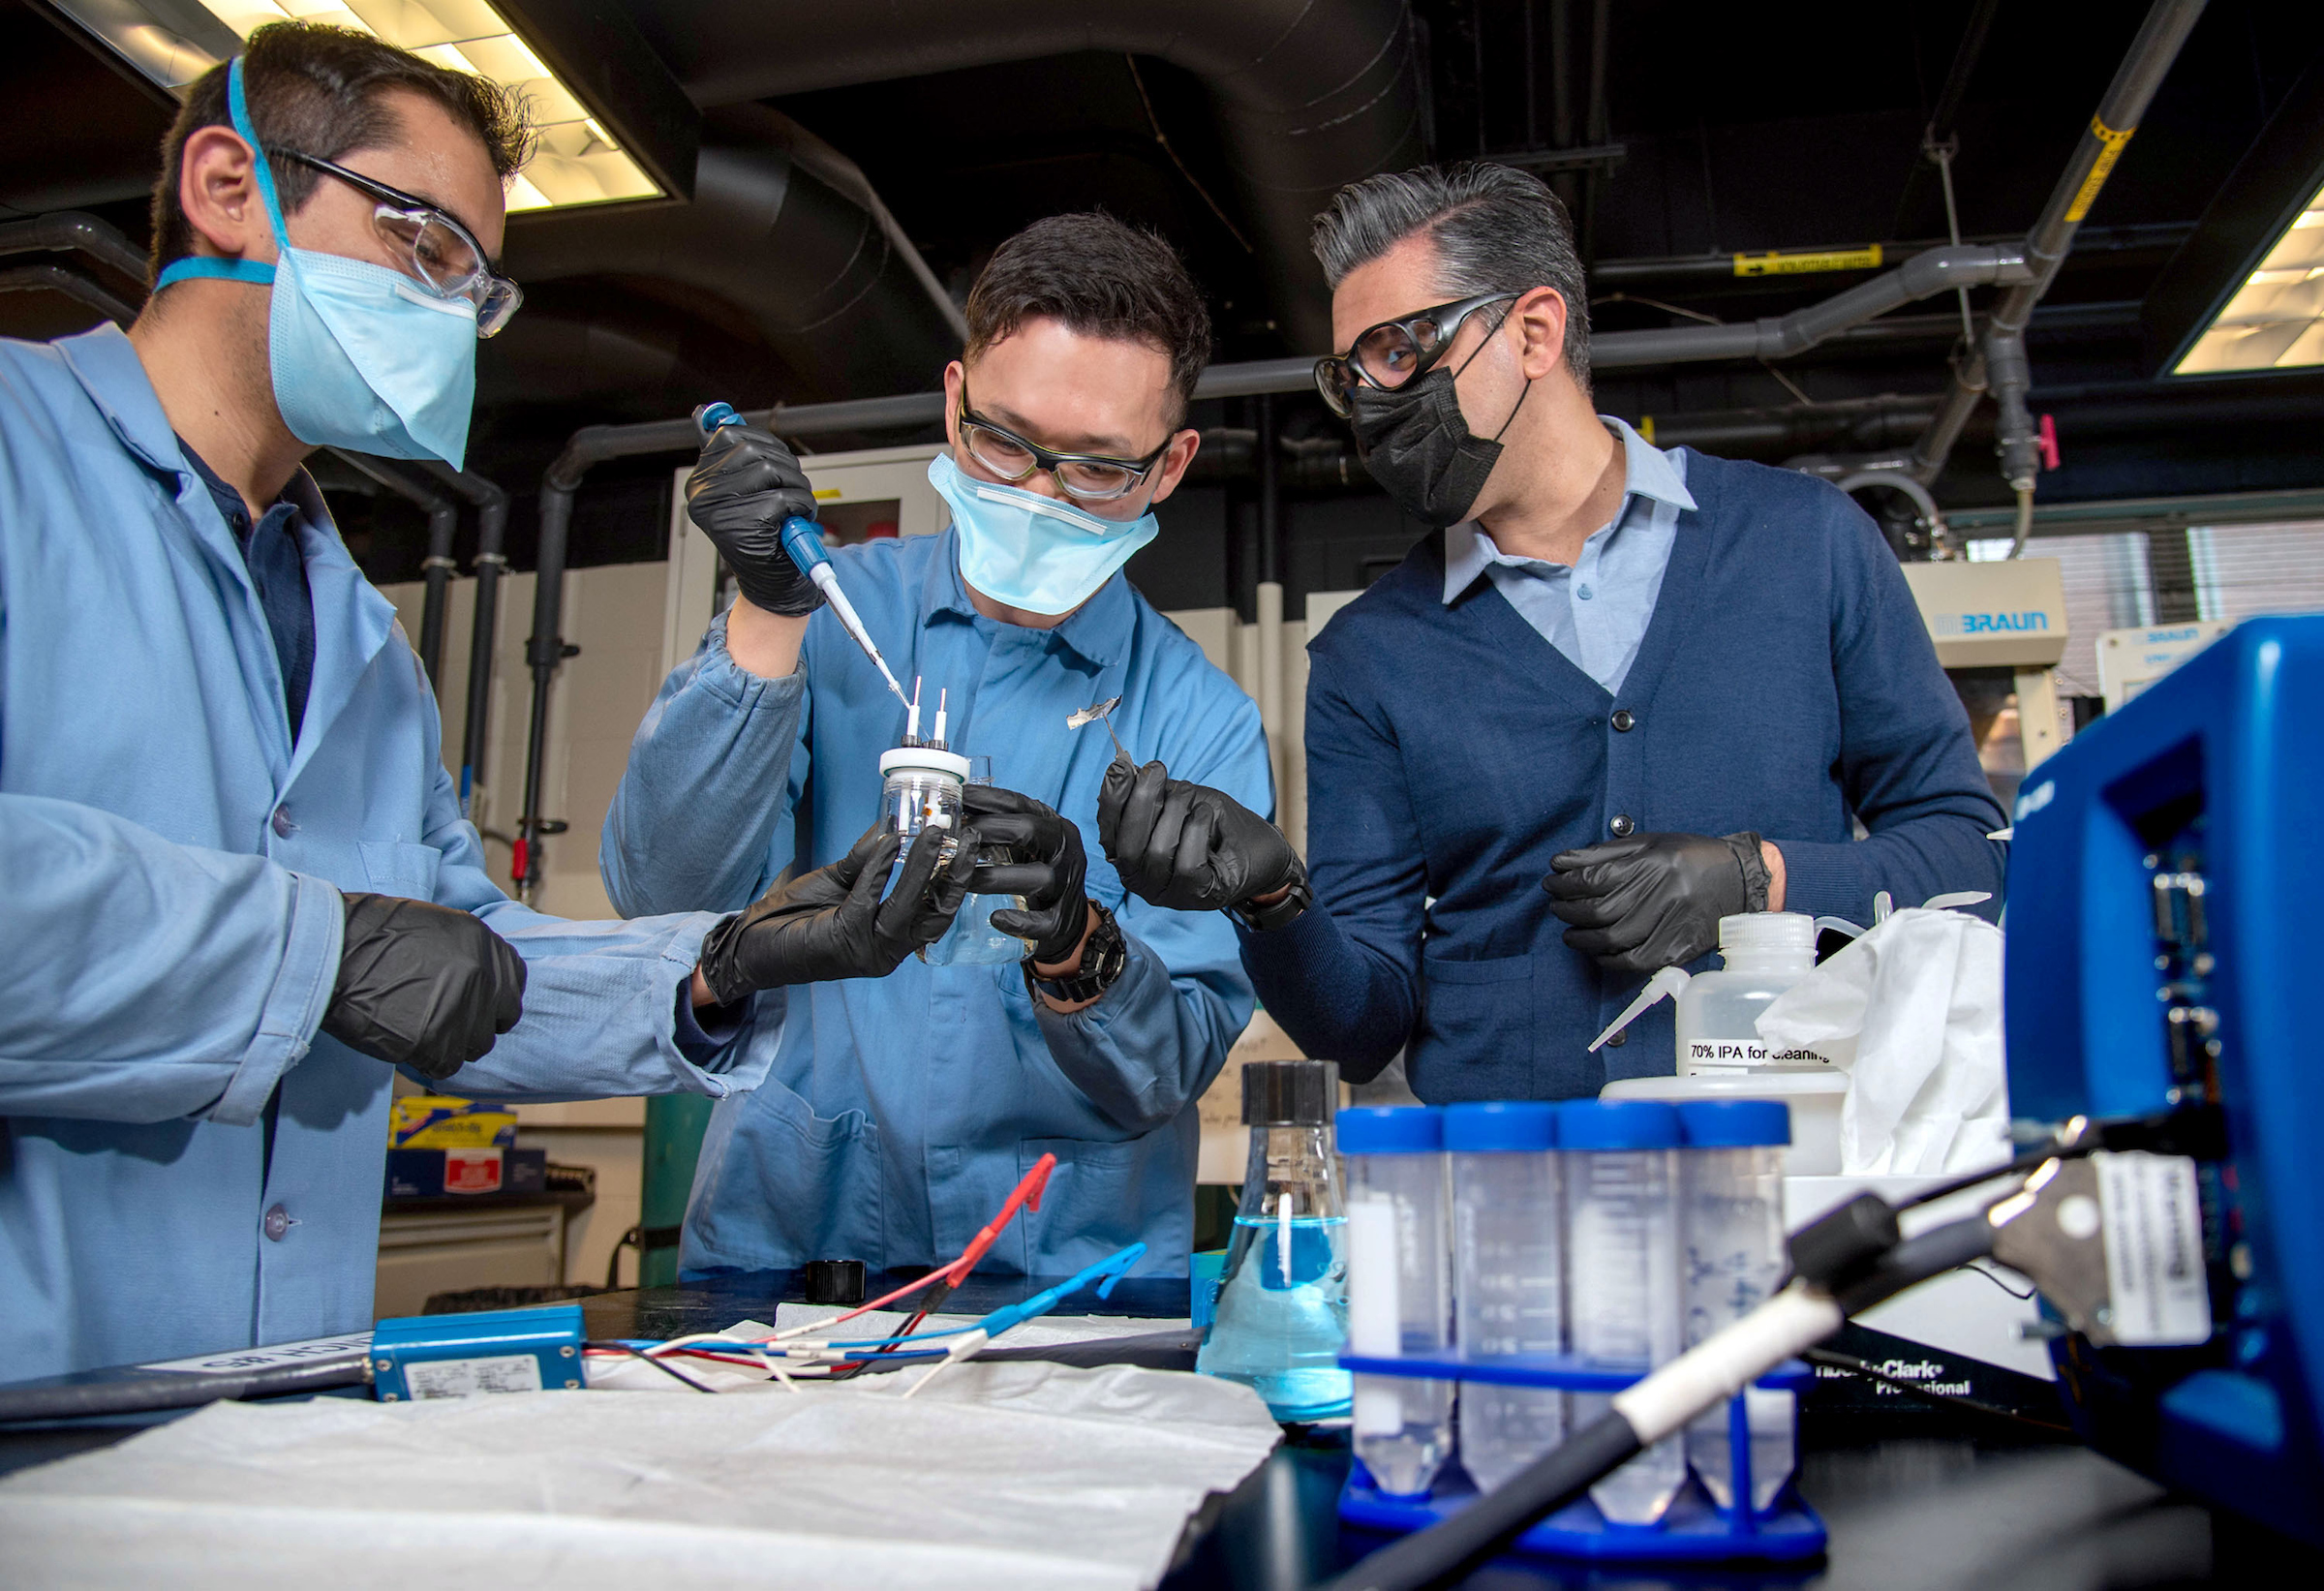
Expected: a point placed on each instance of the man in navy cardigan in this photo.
(1624, 692)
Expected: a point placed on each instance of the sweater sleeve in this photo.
(1344, 978)
(1907, 760)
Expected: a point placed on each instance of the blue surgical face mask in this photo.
(1029, 551)
(363, 357)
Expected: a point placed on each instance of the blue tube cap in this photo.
(1391, 1129)
(1618, 1125)
(1734, 1123)
(1516, 1124)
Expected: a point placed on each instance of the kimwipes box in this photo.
(489, 1168)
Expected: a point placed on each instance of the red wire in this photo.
(1027, 1194)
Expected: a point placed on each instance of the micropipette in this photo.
(803, 540)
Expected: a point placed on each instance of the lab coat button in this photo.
(1621, 825)
(277, 1223)
(281, 822)
(1623, 721)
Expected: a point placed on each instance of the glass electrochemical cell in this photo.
(1509, 1258)
(1282, 1314)
(1732, 1226)
(1621, 1167)
(922, 788)
(1399, 1289)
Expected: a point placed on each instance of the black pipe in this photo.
(1271, 493)
(491, 562)
(443, 518)
(69, 281)
(73, 231)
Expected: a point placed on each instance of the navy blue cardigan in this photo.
(1786, 685)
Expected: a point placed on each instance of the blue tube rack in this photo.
(1694, 1529)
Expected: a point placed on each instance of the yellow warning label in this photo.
(828, 494)
(2110, 150)
(1777, 264)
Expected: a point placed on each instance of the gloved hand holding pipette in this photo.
(746, 486)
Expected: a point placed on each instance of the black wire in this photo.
(670, 1370)
(1858, 1367)
(2003, 1285)
(2024, 1163)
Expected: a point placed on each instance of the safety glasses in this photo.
(1086, 477)
(430, 245)
(1395, 352)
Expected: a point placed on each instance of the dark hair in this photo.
(1099, 277)
(321, 91)
(1496, 230)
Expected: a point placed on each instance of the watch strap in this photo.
(1104, 955)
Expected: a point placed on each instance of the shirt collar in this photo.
(1646, 472)
(106, 365)
(1098, 630)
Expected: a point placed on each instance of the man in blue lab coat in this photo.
(233, 878)
(901, 1113)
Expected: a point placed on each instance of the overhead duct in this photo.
(784, 244)
(1312, 94)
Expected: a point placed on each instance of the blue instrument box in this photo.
(491, 1351)
(2166, 952)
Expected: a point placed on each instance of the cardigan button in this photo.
(1621, 825)
(1623, 719)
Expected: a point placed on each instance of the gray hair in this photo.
(1495, 228)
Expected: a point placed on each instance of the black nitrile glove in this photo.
(422, 985)
(832, 922)
(1188, 846)
(746, 484)
(1046, 866)
(1655, 899)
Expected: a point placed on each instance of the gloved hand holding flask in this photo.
(1045, 867)
(832, 922)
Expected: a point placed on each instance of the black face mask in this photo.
(1421, 450)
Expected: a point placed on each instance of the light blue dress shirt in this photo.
(903, 1110)
(1597, 610)
(170, 863)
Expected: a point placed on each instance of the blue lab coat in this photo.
(901, 1109)
(170, 918)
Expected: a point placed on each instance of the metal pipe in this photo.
(2146, 241)
(69, 281)
(2003, 364)
(1929, 272)
(73, 231)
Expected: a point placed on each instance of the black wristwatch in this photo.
(1103, 957)
(1297, 899)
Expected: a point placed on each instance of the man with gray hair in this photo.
(1665, 687)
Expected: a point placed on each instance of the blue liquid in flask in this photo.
(1282, 1316)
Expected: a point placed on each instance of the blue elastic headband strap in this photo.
(258, 271)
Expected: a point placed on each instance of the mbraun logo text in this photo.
(1991, 624)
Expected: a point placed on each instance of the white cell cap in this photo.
(1768, 932)
(924, 759)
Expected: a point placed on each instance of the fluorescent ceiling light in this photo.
(578, 162)
(2276, 319)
